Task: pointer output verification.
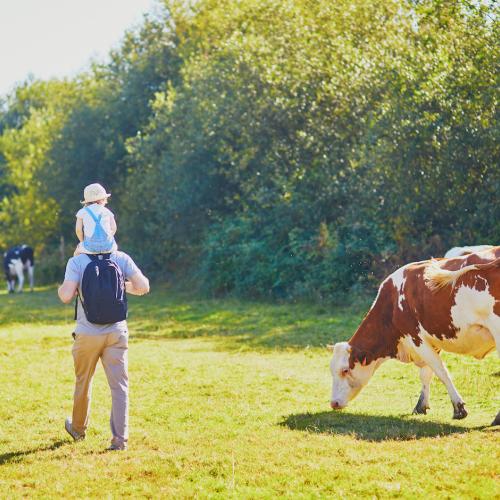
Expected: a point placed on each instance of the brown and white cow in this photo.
(459, 251)
(422, 308)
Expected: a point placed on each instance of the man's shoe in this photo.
(117, 447)
(69, 429)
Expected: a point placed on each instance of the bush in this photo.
(250, 258)
(50, 267)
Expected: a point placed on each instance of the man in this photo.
(109, 342)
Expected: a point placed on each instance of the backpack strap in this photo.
(92, 258)
(76, 302)
(79, 298)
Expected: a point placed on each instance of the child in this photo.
(95, 224)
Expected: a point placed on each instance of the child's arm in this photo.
(112, 225)
(79, 228)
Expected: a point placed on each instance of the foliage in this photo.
(248, 258)
(36, 119)
(112, 105)
(276, 149)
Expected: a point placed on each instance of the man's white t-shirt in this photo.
(88, 222)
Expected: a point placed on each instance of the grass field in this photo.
(230, 399)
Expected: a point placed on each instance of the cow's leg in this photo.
(31, 275)
(18, 266)
(10, 280)
(496, 335)
(423, 401)
(9, 273)
(431, 358)
(494, 328)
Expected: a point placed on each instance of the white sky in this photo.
(57, 38)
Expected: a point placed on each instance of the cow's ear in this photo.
(330, 347)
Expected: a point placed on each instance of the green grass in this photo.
(230, 399)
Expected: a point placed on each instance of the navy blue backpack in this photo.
(103, 291)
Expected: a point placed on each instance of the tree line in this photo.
(291, 149)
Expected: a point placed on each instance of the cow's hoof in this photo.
(421, 408)
(497, 419)
(459, 411)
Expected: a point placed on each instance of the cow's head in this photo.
(349, 375)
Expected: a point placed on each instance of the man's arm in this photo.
(138, 284)
(67, 291)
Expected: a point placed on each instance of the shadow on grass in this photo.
(370, 427)
(16, 456)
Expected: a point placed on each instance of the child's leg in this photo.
(78, 250)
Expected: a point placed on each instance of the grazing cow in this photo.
(15, 262)
(422, 308)
(459, 251)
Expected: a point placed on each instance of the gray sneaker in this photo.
(69, 429)
(117, 447)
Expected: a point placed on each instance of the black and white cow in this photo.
(15, 261)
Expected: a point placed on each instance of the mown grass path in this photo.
(230, 399)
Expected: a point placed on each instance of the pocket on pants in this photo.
(118, 340)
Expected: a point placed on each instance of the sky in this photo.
(58, 38)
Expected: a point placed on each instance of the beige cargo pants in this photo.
(112, 349)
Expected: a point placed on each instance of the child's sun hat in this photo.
(94, 192)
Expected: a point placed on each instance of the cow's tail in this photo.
(436, 277)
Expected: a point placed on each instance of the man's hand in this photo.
(67, 291)
(138, 284)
